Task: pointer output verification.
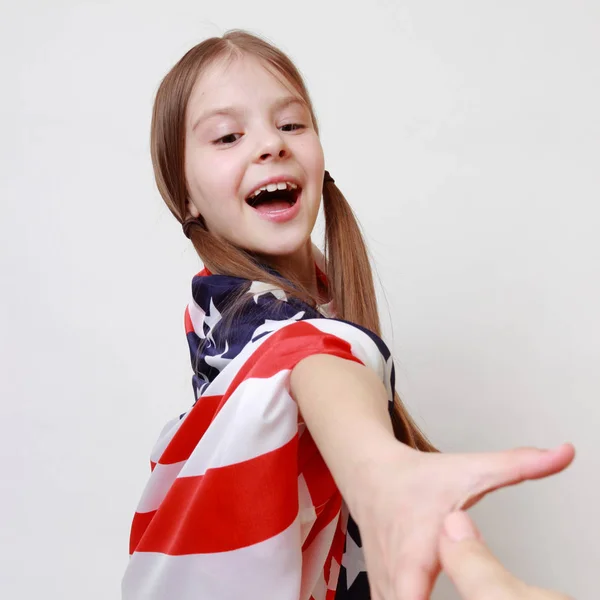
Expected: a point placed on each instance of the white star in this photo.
(326, 309)
(217, 361)
(211, 319)
(197, 317)
(258, 288)
(353, 560)
(203, 385)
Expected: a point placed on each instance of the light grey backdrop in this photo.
(466, 136)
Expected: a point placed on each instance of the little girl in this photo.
(297, 470)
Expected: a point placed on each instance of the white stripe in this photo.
(158, 485)
(268, 570)
(259, 417)
(165, 437)
(361, 345)
(306, 513)
(334, 574)
(344, 516)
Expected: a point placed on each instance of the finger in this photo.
(473, 569)
(521, 464)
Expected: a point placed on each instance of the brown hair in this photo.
(347, 267)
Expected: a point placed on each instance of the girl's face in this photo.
(245, 128)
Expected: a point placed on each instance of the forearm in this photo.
(345, 407)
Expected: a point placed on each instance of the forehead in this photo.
(243, 79)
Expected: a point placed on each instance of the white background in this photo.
(466, 136)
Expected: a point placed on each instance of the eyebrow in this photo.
(279, 104)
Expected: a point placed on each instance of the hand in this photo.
(475, 571)
(403, 498)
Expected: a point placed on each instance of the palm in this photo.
(401, 520)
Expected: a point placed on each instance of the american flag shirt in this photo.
(239, 503)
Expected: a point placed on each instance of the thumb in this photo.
(474, 570)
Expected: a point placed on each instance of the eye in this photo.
(294, 126)
(227, 139)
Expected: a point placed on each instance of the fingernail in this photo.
(458, 527)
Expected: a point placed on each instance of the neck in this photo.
(301, 265)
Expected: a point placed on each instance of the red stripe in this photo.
(191, 430)
(187, 321)
(138, 527)
(317, 475)
(329, 512)
(227, 508)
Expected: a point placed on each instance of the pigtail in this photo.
(353, 292)
(348, 267)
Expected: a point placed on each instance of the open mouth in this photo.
(276, 200)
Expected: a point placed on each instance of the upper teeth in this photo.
(282, 185)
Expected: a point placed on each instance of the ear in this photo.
(191, 209)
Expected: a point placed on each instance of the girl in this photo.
(297, 470)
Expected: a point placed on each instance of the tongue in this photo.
(272, 206)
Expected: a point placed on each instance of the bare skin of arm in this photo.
(345, 407)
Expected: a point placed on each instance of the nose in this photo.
(272, 146)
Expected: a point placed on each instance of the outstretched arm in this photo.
(398, 496)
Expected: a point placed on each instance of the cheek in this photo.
(211, 180)
(223, 173)
(313, 154)
(222, 210)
